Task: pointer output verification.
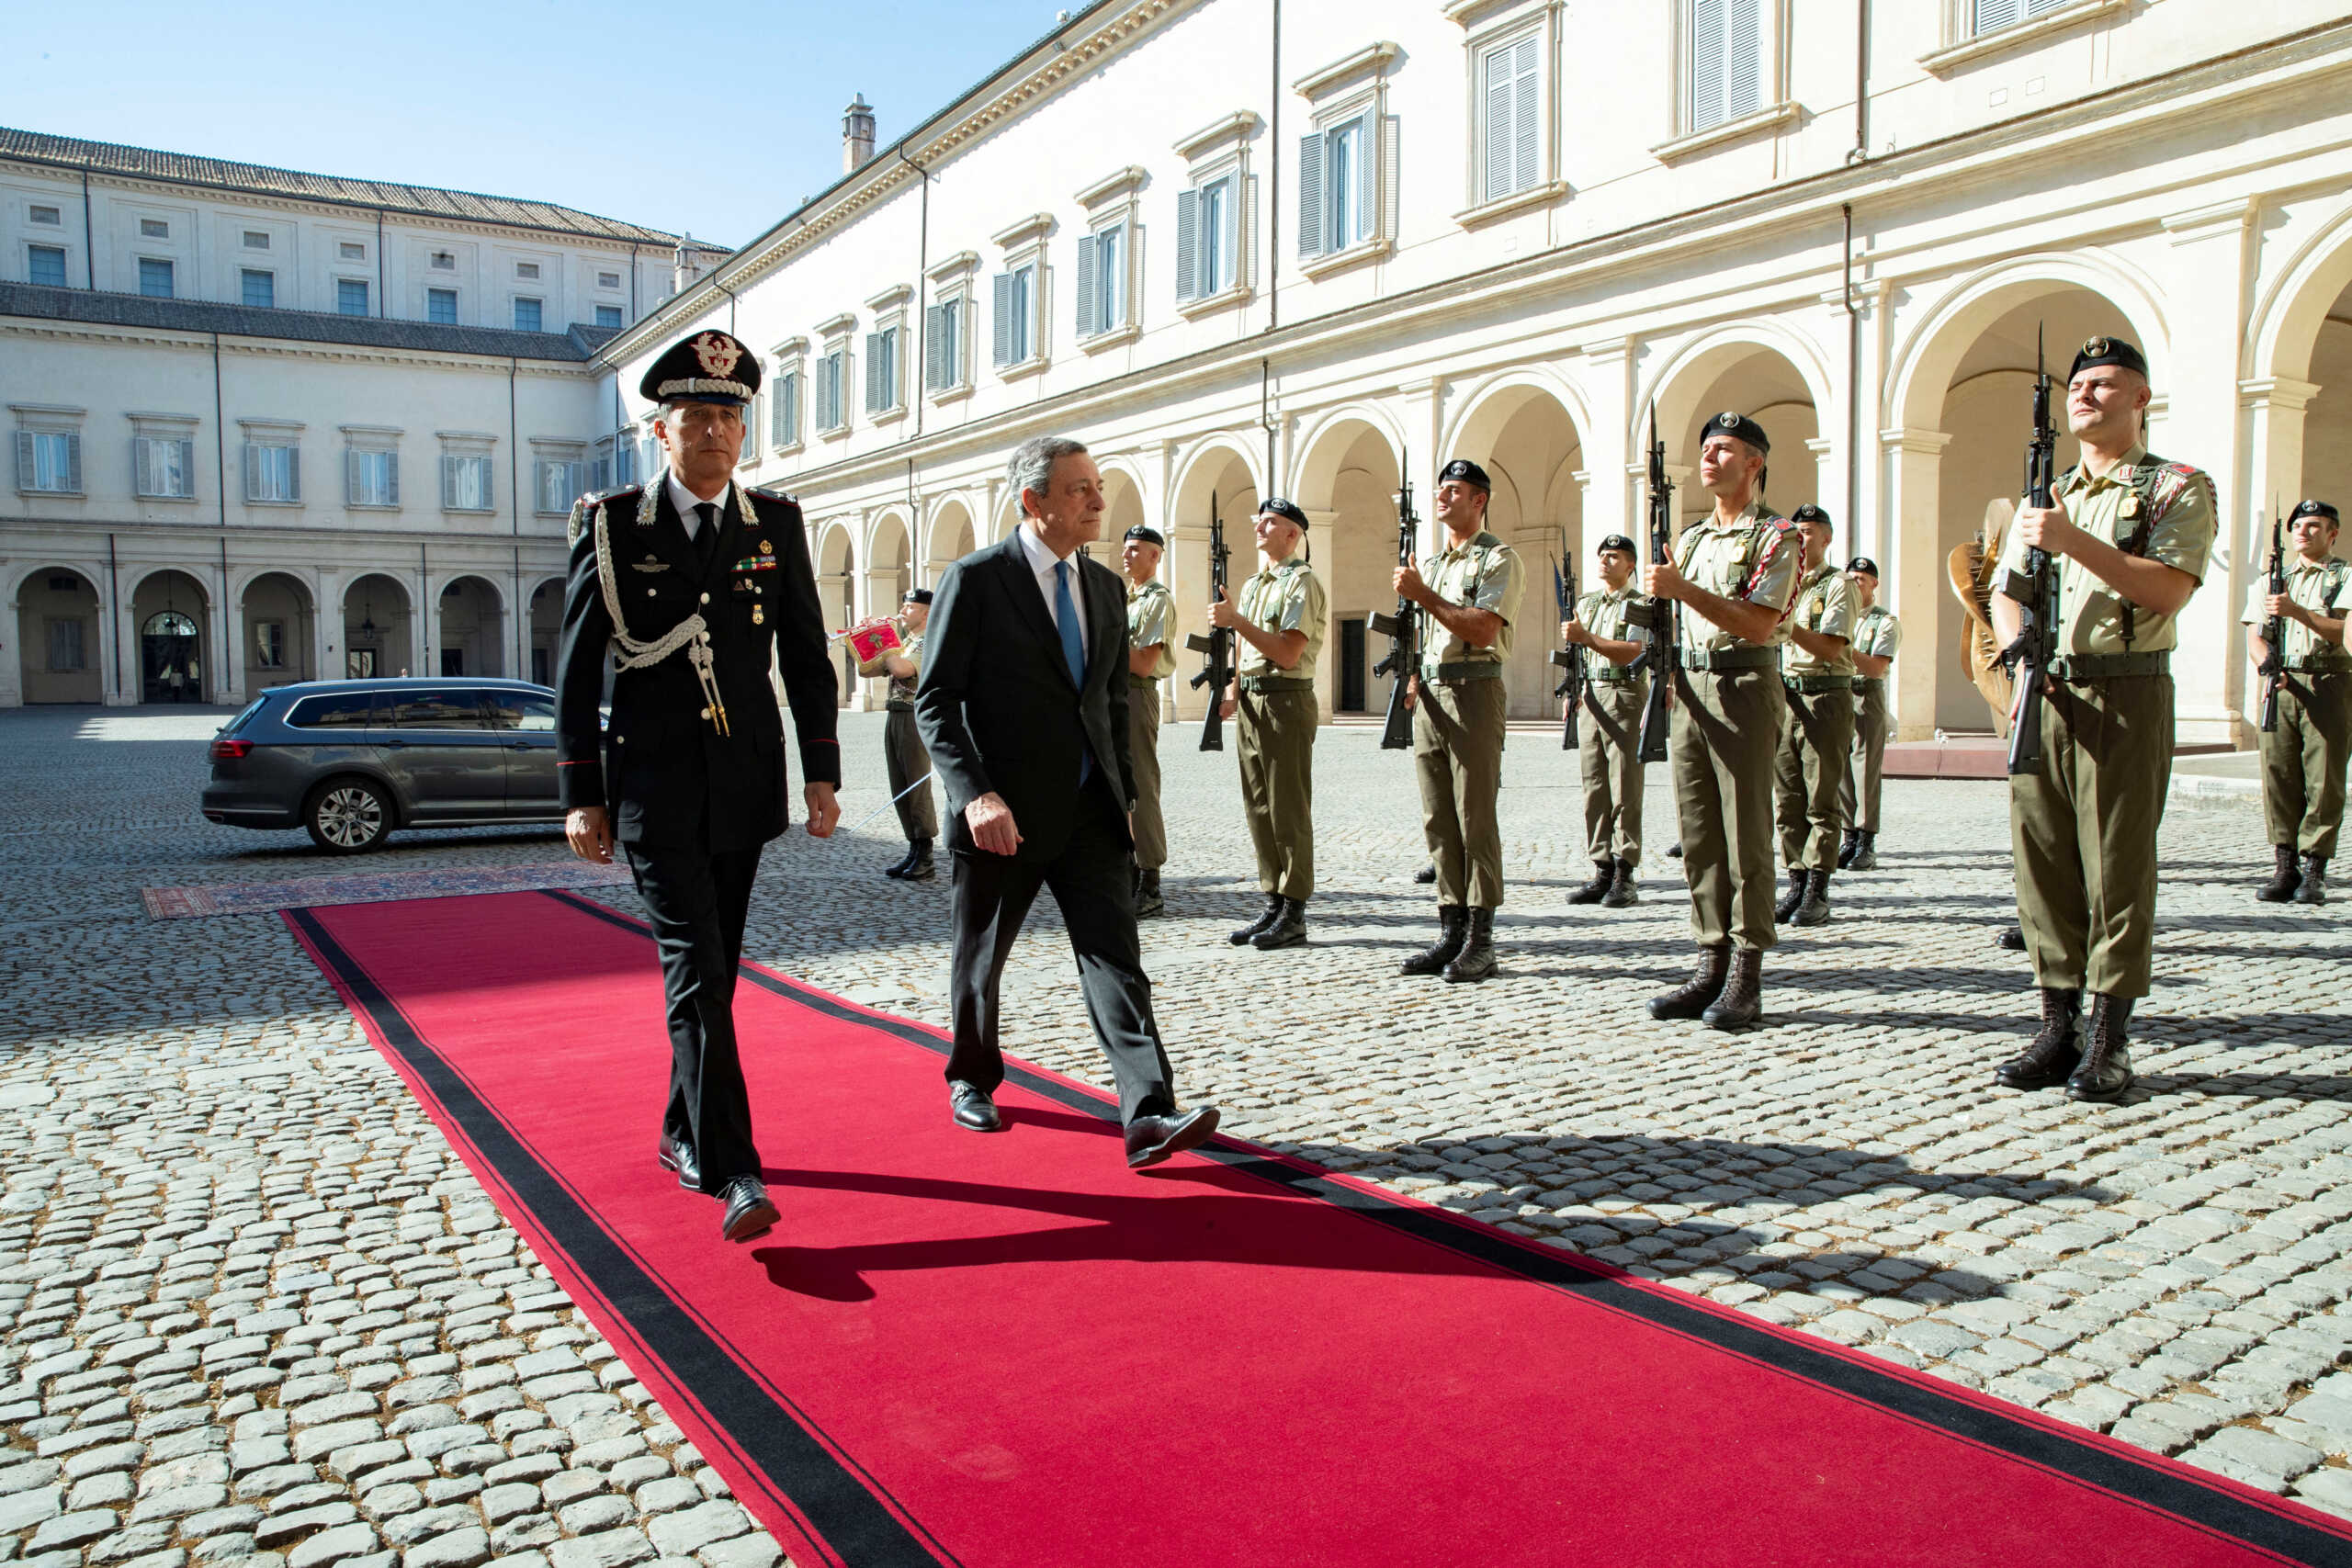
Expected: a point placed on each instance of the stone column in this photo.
(1610, 447)
(1829, 486)
(2273, 417)
(1911, 572)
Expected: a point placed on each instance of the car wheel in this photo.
(348, 816)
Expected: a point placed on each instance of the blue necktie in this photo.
(1073, 650)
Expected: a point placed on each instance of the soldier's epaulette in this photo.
(769, 492)
(585, 508)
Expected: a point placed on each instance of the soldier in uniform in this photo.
(1734, 575)
(686, 590)
(2128, 534)
(1280, 617)
(2303, 758)
(1616, 689)
(1468, 594)
(1817, 671)
(903, 748)
(1877, 637)
(1151, 629)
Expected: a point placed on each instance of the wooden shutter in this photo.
(142, 466)
(354, 483)
(1188, 244)
(27, 473)
(1089, 304)
(1706, 64)
(293, 474)
(251, 474)
(1527, 123)
(875, 347)
(1310, 194)
(449, 484)
(934, 347)
(1743, 59)
(1004, 290)
(392, 479)
(184, 475)
(1385, 221)
(1991, 16)
(1502, 140)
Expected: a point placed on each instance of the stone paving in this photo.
(256, 1312)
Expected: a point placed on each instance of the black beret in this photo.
(2315, 509)
(917, 595)
(709, 367)
(1288, 511)
(1468, 472)
(2108, 351)
(1862, 563)
(1729, 423)
(1809, 513)
(1616, 542)
(1148, 534)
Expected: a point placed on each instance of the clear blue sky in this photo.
(713, 118)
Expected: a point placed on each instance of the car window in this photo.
(244, 717)
(531, 712)
(436, 710)
(337, 710)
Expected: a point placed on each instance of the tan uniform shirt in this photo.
(2325, 588)
(902, 687)
(1757, 558)
(1824, 606)
(1603, 614)
(2090, 614)
(1286, 597)
(1151, 621)
(1482, 573)
(1878, 634)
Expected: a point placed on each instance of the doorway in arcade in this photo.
(173, 614)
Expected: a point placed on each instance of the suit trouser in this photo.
(902, 751)
(1613, 768)
(1143, 765)
(1861, 810)
(1458, 757)
(1816, 745)
(2303, 760)
(1727, 725)
(696, 901)
(2083, 828)
(1275, 731)
(1091, 883)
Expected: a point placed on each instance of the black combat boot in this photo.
(2011, 937)
(1697, 994)
(2285, 877)
(1476, 959)
(1846, 847)
(1865, 851)
(1742, 1002)
(1792, 897)
(2105, 1071)
(1240, 936)
(1813, 910)
(905, 860)
(919, 866)
(1674, 850)
(1453, 926)
(1148, 899)
(2051, 1056)
(2315, 888)
(1288, 930)
(1604, 872)
(1621, 886)
(1426, 876)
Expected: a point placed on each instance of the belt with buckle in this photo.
(1277, 682)
(1722, 659)
(1813, 685)
(2109, 666)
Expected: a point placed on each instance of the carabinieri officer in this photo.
(683, 589)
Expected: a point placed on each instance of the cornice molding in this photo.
(292, 348)
(1238, 126)
(1372, 60)
(1130, 178)
(1037, 226)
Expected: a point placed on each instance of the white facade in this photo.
(1401, 231)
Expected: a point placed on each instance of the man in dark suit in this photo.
(686, 589)
(1022, 703)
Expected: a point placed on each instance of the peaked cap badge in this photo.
(717, 355)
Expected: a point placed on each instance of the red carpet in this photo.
(1011, 1350)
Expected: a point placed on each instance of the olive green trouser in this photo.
(1458, 756)
(1142, 764)
(2303, 759)
(1816, 742)
(1277, 745)
(903, 753)
(1726, 727)
(1612, 769)
(1870, 757)
(2083, 828)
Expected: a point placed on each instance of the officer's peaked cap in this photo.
(709, 367)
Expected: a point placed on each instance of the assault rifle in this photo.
(2274, 630)
(1217, 670)
(1403, 658)
(1665, 654)
(1568, 657)
(2035, 589)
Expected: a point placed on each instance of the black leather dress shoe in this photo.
(676, 1154)
(1151, 1139)
(972, 1107)
(749, 1212)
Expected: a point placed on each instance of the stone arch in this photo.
(543, 616)
(2297, 394)
(173, 667)
(469, 620)
(278, 610)
(836, 593)
(379, 626)
(948, 535)
(1217, 469)
(1123, 508)
(60, 634)
(1346, 476)
(889, 572)
(1734, 360)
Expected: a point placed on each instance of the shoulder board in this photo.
(592, 500)
(767, 493)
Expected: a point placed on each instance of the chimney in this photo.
(684, 268)
(857, 134)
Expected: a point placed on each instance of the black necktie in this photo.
(707, 537)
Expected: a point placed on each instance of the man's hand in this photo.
(1408, 583)
(824, 811)
(899, 666)
(1229, 701)
(1573, 632)
(2048, 528)
(991, 820)
(2279, 604)
(1412, 692)
(1222, 616)
(1662, 580)
(591, 832)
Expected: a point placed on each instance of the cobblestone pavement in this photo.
(256, 1312)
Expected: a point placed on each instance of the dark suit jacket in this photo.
(996, 704)
(664, 770)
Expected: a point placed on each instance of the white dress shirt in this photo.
(1042, 562)
(685, 501)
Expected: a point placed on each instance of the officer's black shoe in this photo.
(1426, 876)
(905, 860)
(1846, 848)
(919, 866)
(1240, 936)
(1742, 1002)
(970, 1106)
(2052, 1057)
(676, 1154)
(1814, 908)
(2315, 888)
(749, 1212)
(1476, 959)
(1621, 886)
(1151, 1139)
(1604, 872)
(1786, 906)
(1865, 851)
(2105, 1071)
(1148, 899)
(2285, 877)
(1697, 994)
(1453, 926)
(1289, 928)
(2011, 937)
(1674, 850)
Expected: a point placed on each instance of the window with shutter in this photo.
(934, 347)
(142, 466)
(951, 340)
(1512, 123)
(1111, 277)
(1188, 244)
(1311, 195)
(26, 461)
(1089, 311)
(273, 473)
(1001, 290)
(784, 412)
(1726, 67)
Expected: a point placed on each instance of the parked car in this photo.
(350, 760)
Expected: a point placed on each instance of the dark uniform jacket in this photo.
(664, 771)
(996, 703)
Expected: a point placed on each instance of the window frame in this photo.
(1961, 42)
(32, 441)
(271, 435)
(952, 289)
(1354, 91)
(619, 318)
(888, 336)
(571, 484)
(1773, 112)
(149, 430)
(373, 448)
(788, 406)
(833, 375)
(341, 299)
(1217, 155)
(1488, 25)
(170, 277)
(463, 455)
(33, 218)
(1020, 292)
(64, 270)
(1114, 208)
(432, 290)
(538, 312)
(246, 277)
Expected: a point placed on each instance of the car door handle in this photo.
(518, 746)
(395, 745)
